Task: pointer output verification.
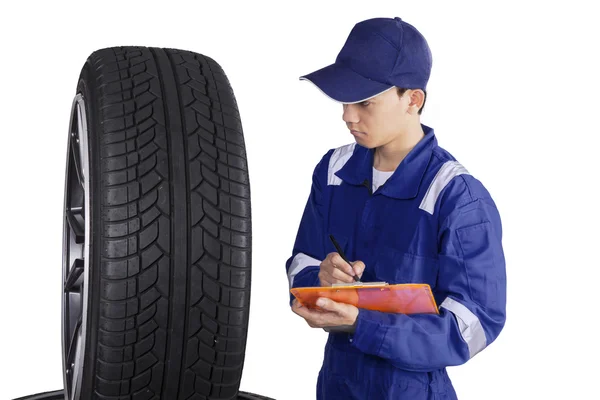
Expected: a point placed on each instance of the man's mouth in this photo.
(354, 132)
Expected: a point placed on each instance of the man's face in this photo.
(379, 120)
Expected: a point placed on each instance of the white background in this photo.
(513, 95)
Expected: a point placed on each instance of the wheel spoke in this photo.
(76, 223)
(76, 158)
(73, 346)
(74, 274)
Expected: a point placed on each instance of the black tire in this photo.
(250, 396)
(170, 230)
(59, 395)
(55, 395)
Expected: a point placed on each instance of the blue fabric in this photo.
(378, 54)
(457, 250)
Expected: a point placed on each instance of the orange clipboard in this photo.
(405, 298)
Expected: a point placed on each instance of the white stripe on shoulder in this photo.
(448, 171)
(338, 159)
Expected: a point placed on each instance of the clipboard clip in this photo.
(360, 284)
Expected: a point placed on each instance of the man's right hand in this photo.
(334, 269)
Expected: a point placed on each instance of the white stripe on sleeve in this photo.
(300, 262)
(470, 326)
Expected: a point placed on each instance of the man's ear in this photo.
(417, 98)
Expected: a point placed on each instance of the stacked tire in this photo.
(60, 395)
(157, 238)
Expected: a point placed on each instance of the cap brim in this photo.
(343, 85)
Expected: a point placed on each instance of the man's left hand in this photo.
(332, 314)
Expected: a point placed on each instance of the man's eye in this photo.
(365, 103)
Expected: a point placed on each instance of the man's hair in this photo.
(401, 92)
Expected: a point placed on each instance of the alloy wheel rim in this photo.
(76, 250)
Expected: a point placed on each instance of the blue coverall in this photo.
(430, 222)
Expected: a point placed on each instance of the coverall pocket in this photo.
(394, 267)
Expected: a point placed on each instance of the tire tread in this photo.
(137, 295)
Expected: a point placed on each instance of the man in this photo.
(404, 210)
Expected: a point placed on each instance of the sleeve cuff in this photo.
(370, 332)
(308, 277)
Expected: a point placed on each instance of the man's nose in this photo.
(350, 115)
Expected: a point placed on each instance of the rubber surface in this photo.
(171, 234)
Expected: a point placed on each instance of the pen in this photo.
(341, 253)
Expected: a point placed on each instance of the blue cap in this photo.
(380, 53)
